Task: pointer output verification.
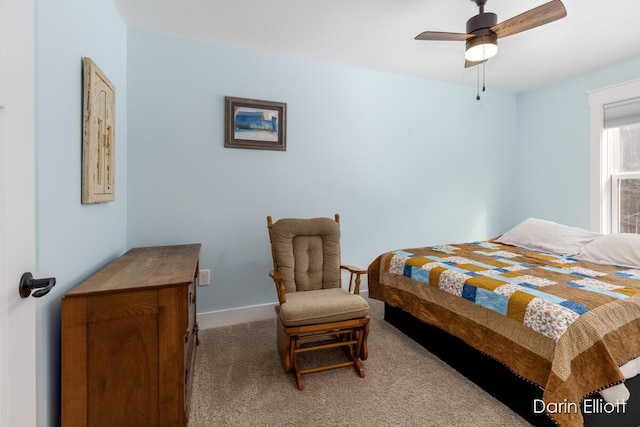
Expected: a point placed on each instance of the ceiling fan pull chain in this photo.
(478, 83)
(483, 76)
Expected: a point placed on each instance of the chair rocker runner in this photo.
(314, 311)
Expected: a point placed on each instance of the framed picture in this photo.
(98, 135)
(251, 123)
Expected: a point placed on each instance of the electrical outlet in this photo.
(204, 277)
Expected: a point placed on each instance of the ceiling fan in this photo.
(483, 30)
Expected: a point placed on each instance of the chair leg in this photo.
(296, 370)
(293, 360)
(299, 380)
(284, 347)
(363, 351)
(357, 365)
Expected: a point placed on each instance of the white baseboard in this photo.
(235, 316)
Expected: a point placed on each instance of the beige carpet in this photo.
(239, 382)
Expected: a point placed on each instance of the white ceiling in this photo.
(379, 34)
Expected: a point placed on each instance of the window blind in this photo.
(622, 113)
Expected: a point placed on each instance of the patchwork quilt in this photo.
(559, 322)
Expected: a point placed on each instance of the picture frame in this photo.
(255, 124)
(98, 135)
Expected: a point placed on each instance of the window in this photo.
(624, 142)
(615, 158)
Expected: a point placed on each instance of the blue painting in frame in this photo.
(252, 123)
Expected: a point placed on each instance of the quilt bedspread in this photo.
(559, 322)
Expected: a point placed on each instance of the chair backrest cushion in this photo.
(307, 252)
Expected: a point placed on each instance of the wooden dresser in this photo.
(129, 336)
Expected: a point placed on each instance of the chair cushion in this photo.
(307, 252)
(322, 306)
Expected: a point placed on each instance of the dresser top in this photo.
(146, 267)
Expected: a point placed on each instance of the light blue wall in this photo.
(406, 162)
(73, 240)
(554, 145)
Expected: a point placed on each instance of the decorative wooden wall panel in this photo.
(98, 135)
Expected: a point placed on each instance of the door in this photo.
(17, 213)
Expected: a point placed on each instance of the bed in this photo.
(542, 317)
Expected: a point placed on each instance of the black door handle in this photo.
(28, 284)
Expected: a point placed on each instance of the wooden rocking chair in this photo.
(314, 311)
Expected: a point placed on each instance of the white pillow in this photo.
(548, 236)
(619, 249)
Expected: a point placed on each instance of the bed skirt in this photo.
(496, 379)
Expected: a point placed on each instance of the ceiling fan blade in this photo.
(544, 14)
(438, 35)
(469, 64)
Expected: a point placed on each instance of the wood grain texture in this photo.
(98, 135)
(129, 339)
(122, 305)
(541, 15)
(170, 349)
(74, 362)
(140, 268)
(123, 365)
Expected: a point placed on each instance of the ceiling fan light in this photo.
(481, 48)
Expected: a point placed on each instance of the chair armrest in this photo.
(278, 280)
(354, 271)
